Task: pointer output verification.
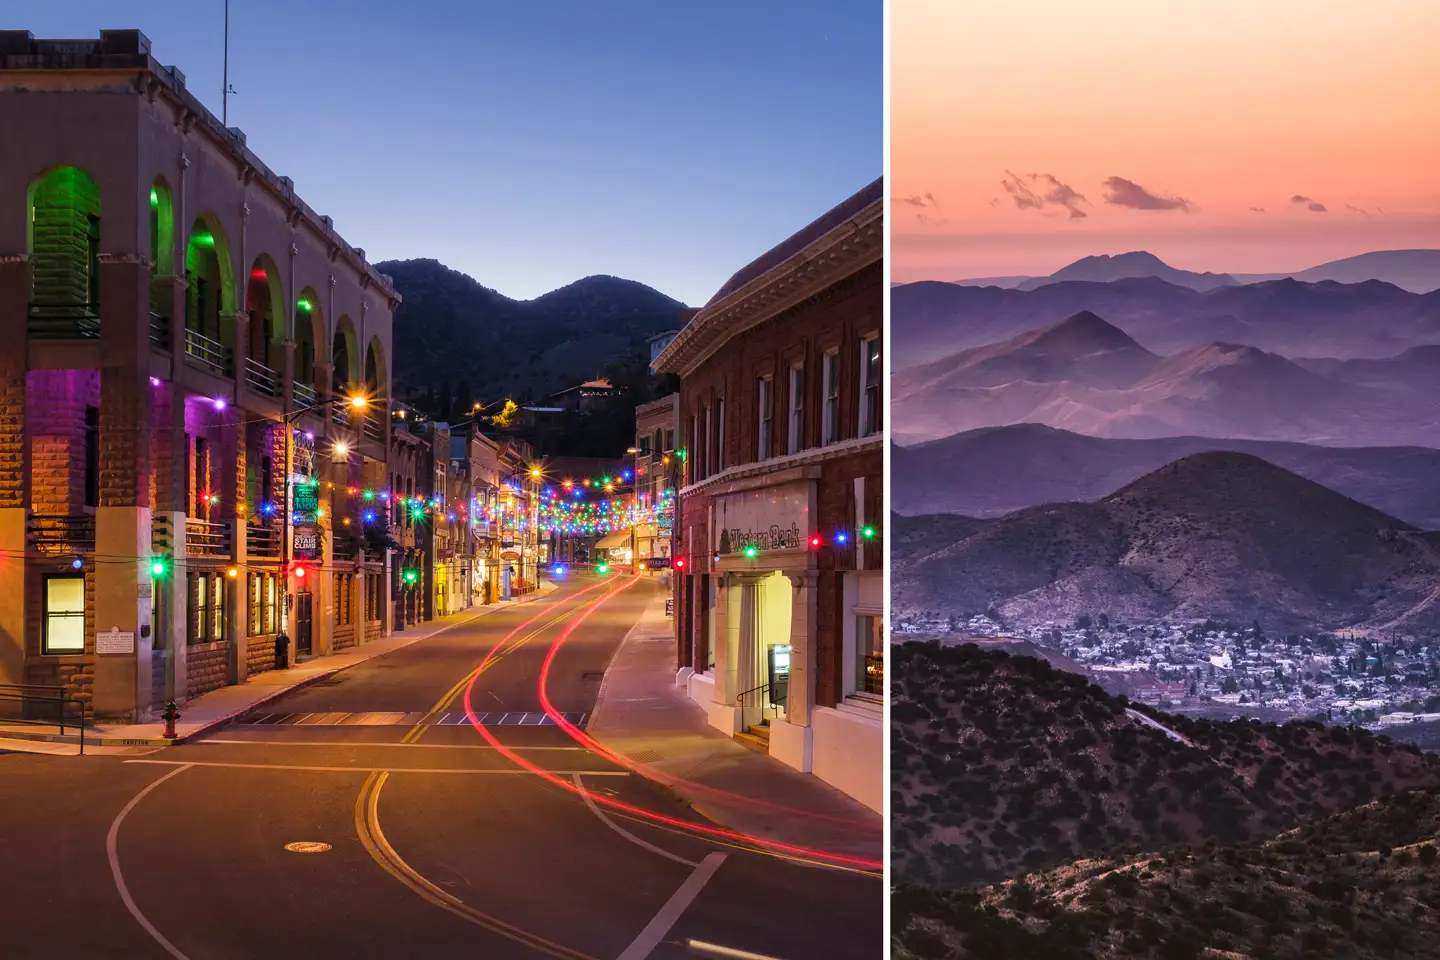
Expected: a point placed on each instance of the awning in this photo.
(614, 541)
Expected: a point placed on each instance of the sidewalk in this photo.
(644, 718)
(218, 707)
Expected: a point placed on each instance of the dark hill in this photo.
(1363, 885)
(1003, 765)
(1123, 266)
(451, 326)
(1212, 535)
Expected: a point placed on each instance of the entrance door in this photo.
(304, 643)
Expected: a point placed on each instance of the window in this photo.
(694, 445)
(708, 461)
(64, 615)
(267, 478)
(344, 595)
(207, 607)
(720, 434)
(830, 425)
(202, 477)
(762, 402)
(92, 457)
(870, 417)
(644, 446)
(669, 439)
(870, 657)
(262, 604)
(659, 442)
(795, 436)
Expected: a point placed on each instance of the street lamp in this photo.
(341, 449)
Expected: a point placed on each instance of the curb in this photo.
(226, 720)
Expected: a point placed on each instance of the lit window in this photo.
(64, 615)
(870, 657)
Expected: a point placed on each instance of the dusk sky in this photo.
(1231, 135)
(532, 144)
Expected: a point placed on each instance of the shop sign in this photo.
(773, 518)
(657, 563)
(509, 555)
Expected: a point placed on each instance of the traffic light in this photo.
(412, 576)
(603, 568)
(679, 563)
(159, 567)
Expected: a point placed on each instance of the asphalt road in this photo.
(437, 839)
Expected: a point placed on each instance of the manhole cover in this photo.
(307, 846)
(645, 756)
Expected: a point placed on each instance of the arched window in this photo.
(65, 254)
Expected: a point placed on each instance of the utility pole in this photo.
(225, 75)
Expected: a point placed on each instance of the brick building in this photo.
(780, 549)
(179, 337)
(657, 424)
(420, 512)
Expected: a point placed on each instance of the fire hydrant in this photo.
(170, 715)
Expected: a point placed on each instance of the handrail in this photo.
(764, 705)
(304, 394)
(62, 700)
(209, 353)
(263, 378)
(63, 320)
(159, 330)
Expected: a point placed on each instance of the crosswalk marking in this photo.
(413, 718)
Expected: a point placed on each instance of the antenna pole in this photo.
(225, 97)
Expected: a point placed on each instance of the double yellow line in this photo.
(367, 824)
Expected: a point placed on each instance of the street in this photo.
(440, 799)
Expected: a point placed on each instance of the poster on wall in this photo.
(774, 518)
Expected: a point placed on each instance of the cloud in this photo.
(1354, 209)
(1314, 206)
(1048, 192)
(1128, 193)
(921, 200)
(1257, 209)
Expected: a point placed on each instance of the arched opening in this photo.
(209, 297)
(377, 389)
(162, 248)
(309, 324)
(64, 233)
(345, 358)
(264, 308)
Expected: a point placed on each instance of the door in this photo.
(304, 644)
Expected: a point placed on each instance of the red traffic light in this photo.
(679, 563)
(300, 573)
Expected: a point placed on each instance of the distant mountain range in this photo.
(1088, 376)
(992, 471)
(1035, 817)
(1223, 535)
(450, 326)
(1415, 270)
(1289, 317)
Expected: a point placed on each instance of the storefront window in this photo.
(207, 608)
(870, 663)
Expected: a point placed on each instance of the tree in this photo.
(506, 417)
(1083, 622)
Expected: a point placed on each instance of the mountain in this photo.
(1224, 535)
(1105, 268)
(1025, 465)
(448, 322)
(1088, 376)
(1005, 283)
(1360, 884)
(1415, 270)
(1288, 317)
(1003, 765)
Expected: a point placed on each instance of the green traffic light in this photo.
(157, 568)
(603, 568)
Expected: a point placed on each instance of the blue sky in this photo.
(532, 143)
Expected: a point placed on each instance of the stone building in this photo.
(181, 467)
(780, 548)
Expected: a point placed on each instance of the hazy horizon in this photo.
(1230, 137)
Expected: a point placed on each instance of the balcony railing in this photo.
(62, 534)
(346, 549)
(204, 538)
(159, 331)
(263, 542)
(211, 354)
(261, 378)
(304, 395)
(374, 429)
(63, 321)
(341, 416)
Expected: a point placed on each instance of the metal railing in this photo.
(159, 331)
(28, 694)
(58, 533)
(374, 429)
(261, 378)
(341, 415)
(761, 695)
(210, 354)
(304, 394)
(162, 534)
(205, 538)
(263, 542)
(63, 321)
(346, 549)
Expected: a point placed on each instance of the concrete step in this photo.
(748, 738)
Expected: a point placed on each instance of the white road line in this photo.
(112, 850)
(604, 818)
(508, 771)
(379, 743)
(678, 903)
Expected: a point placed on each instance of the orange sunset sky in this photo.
(1245, 136)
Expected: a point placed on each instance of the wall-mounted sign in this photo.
(115, 640)
(307, 498)
(774, 518)
(509, 555)
(657, 563)
(307, 543)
